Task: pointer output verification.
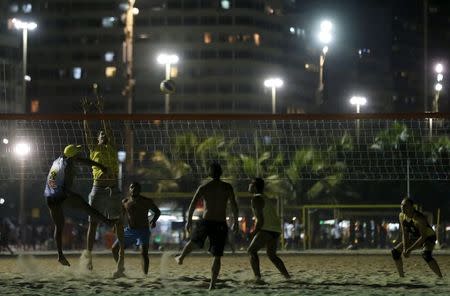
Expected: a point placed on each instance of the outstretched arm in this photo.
(106, 125)
(234, 210)
(89, 162)
(422, 229)
(87, 131)
(191, 209)
(156, 213)
(258, 207)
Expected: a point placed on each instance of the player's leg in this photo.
(198, 237)
(258, 242)
(215, 269)
(397, 256)
(75, 200)
(145, 261)
(272, 254)
(114, 209)
(57, 215)
(427, 255)
(217, 233)
(97, 202)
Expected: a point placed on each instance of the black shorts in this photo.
(216, 232)
(56, 200)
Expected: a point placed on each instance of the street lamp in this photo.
(22, 150)
(325, 37)
(273, 83)
(167, 60)
(24, 26)
(358, 101)
(439, 69)
(121, 156)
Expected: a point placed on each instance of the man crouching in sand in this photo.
(215, 195)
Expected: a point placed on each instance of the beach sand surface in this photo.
(328, 274)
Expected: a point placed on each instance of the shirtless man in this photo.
(135, 208)
(215, 194)
(267, 230)
(416, 233)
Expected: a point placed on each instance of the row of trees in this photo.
(328, 174)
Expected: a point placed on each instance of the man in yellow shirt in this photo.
(416, 233)
(267, 230)
(105, 196)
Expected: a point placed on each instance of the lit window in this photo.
(207, 38)
(123, 6)
(27, 7)
(173, 71)
(109, 21)
(109, 56)
(225, 4)
(76, 73)
(257, 39)
(246, 38)
(14, 8)
(110, 71)
(34, 106)
(231, 39)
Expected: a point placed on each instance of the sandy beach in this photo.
(326, 274)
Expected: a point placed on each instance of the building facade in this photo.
(226, 50)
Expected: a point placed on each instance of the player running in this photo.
(416, 233)
(215, 194)
(136, 208)
(267, 230)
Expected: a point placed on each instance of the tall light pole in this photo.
(24, 26)
(325, 38)
(273, 83)
(22, 150)
(167, 60)
(128, 91)
(439, 69)
(358, 101)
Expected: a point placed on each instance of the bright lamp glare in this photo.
(356, 100)
(22, 149)
(439, 68)
(325, 49)
(2, 201)
(20, 25)
(164, 59)
(5, 141)
(273, 82)
(325, 37)
(438, 87)
(135, 10)
(439, 77)
(326, 26)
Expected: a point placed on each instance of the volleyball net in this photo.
(278, 147)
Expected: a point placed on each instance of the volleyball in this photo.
(167, 86)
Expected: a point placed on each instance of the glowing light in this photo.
(167, 59)
(439, 77)
(273, 82)
(2, 201)
(439, 68)
(438, 87)
(21, 25)
(5, 141)
(356, 100)
(22, 149)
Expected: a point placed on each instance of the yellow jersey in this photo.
(107, 156)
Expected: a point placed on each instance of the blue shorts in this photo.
(137, 237)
